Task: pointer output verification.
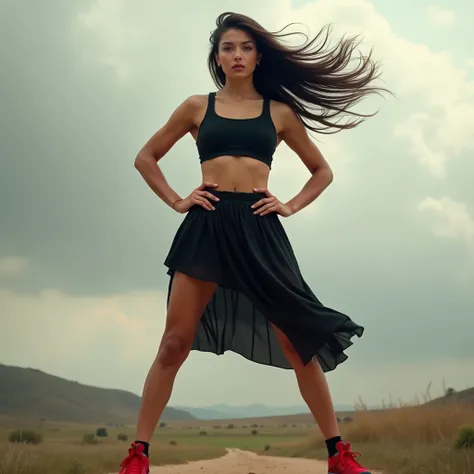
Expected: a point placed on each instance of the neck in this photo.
(240, 89)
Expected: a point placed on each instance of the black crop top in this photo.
(252, 137)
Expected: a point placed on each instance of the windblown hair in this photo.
(313, 81)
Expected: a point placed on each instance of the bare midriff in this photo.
(236, 173)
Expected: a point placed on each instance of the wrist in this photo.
(292, 207)
(174, 203)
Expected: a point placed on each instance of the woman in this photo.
(234, 280)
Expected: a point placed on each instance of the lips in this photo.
(238, 66)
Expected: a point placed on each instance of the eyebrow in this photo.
(243, 42)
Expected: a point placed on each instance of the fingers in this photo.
(203, 202)
(201, 197)
(207, 184)
(208, 195)
(270, 207)
(263, 190)
(264, 201)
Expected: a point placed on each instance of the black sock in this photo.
(145, 445)
(331, 445)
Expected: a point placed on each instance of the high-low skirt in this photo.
(259, 284)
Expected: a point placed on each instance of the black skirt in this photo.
(259, 283)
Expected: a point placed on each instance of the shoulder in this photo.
(286, 115)
(283, 110)
(194, 102)
(189, 108)
(197, 99)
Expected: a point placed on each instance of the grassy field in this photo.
(407, 440)
(62, 451)
(73, 458)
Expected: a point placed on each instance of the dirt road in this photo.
(244, 462)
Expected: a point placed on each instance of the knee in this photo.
(173, 350)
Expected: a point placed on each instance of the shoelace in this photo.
(132, 459)
(347, 457)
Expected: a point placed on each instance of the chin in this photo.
(242, 74)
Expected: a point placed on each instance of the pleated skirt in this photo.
(259, 285)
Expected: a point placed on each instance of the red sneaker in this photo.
(344, 461)
(136, 462)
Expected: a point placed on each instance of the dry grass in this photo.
(406, 440)
(74, 458)
(416, 439)
(410, 425)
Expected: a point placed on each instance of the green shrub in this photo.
(254, 432)
(25, 436)
(465, 437)
(101, 432)
(173, 442)
(122, 437)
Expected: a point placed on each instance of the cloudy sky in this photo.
(82, 282)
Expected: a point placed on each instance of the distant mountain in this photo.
(32, 394)
(222, 411)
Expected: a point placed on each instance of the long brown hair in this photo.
(312, 81)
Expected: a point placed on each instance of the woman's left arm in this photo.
(296, 137)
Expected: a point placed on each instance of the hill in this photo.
(465, 396)
(32, 394)
(225, 412)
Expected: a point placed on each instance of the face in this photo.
(237, 54)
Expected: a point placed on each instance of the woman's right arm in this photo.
(181, 121)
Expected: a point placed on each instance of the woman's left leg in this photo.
(315, 392)
(313, 387)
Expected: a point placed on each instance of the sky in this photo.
(391, 242)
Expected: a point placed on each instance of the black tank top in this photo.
(252, 137)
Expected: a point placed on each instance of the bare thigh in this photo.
(188, 299)
(288, 349)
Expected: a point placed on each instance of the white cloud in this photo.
(436, 97)
(13, 266)
(439, 16)
(454, 218)
(426, 152)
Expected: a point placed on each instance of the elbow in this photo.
(325, 174)
(140, 160)
(329, 175)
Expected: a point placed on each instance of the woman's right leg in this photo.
(188, 299)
